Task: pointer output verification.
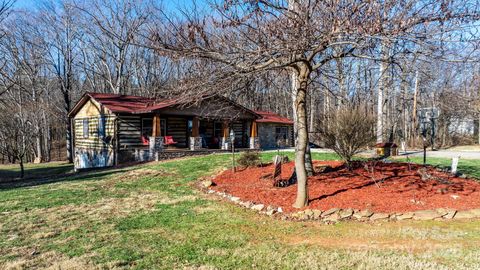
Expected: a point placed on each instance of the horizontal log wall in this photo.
(93, 141)
(129, 131)
(177, 127)
(238, 128)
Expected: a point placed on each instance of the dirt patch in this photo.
(382, 187)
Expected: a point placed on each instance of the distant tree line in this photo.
(292, 57)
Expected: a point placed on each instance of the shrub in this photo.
(348, 131)
(249, 159)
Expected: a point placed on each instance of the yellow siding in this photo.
(93, 140)
(89, 109)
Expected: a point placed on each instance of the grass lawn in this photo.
(470, 167)
(151, 217)
(32, 171)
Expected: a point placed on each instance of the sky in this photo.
(173, 4)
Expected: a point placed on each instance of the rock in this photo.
(270, 208)
(280, 210)
(316, 214)
(407, 215)
(271, 212)
(302, 216)
(235, 199)
(451, 214)
(207, 183)
(345, 213)
(330, 211)
(334, 217)
(246, 204)
(476, 212)
(308, 212)
(323, 169)
(442, 190)
(379, 216)
(363, 214)
(257, 207)
(426, 215)
(473, 213)
(464, 215)
(210, 191)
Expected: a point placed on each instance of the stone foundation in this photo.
(225, 143)
(92, 158)
(195, 143)
(254, 143)
(156, 145)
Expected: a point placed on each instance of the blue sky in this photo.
(174, 4)
(25, 3)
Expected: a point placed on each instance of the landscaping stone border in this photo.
(337, 214)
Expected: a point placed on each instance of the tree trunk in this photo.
(295, 87)
(38, 144)
(68, 127)
(414, 110)
(381, 88)
(22, 169)
(476, 129)
(303, 73)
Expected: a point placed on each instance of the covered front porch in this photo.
(173, 132)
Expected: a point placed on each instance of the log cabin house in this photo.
(110, 129)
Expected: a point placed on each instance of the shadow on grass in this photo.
(66, 177)
(32, 171)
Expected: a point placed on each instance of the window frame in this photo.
(86, 128)
(101, 127)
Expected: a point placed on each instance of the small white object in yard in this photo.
(258, 207)
(280, 210)
(207, 183)
(455, 164)
(455, 196)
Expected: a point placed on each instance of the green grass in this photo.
(470, 167)
(151, 217)
(9, 172)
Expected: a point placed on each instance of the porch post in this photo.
(156, 140)
(254, 141)
(156, 131)
(195, 139)
(225, 145)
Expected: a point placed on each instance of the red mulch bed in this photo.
(400, 188)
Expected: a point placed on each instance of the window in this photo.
(147, 127)
(85, 128)
(217, 129)
(163, 126)
(281, 135)
(101, 127)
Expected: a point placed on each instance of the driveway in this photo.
(445, 154)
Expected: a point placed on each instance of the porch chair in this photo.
(145, 140)
(168, 140)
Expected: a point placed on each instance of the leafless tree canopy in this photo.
(303, 59)
(350, 131)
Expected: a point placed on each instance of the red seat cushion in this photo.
(169, 140)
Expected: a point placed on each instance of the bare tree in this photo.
(350, 131)
(252, 36)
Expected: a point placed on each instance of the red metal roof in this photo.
(270, 117)
(130, 104)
